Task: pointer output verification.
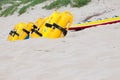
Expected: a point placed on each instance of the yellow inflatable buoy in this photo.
(58, 25)
(15, 33)
(61, 26)
(47, 27)
(35, 28)
(26, 31)
(38, 28)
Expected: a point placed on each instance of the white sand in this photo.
(90, 54)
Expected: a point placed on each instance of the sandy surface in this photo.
(90, 54)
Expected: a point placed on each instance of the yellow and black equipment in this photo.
(54, 26)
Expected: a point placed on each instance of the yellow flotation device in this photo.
(48, 26)
(15, 33)
(26, 31)
(60, 27)
(36, 27)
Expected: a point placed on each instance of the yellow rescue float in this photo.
(16, 32)
(35, 31)
(26, 31)
(61, 26)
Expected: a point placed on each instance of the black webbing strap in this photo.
(36, 31)
(16, 33)
(34, 26)
(60, 28)
(48, 25)
(26, 31)
(13, 33)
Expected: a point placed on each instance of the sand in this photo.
(90, 54)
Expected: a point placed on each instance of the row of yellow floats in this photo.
(54, 26)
